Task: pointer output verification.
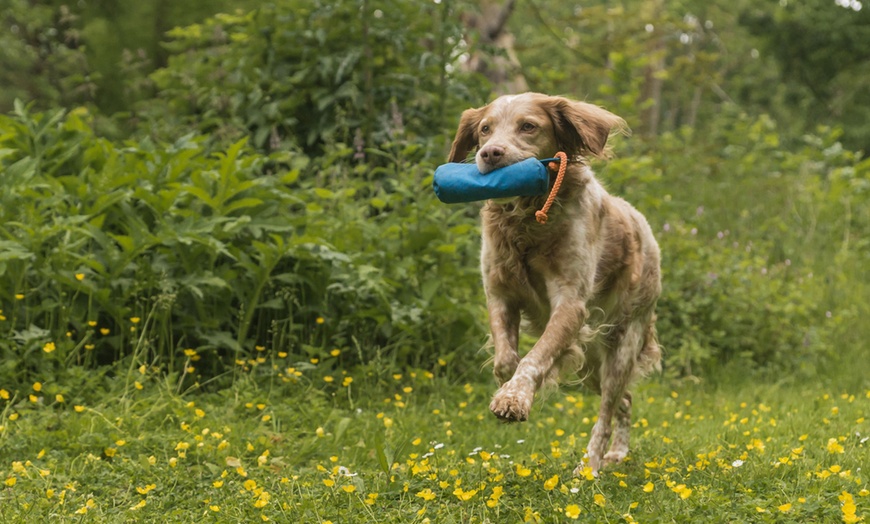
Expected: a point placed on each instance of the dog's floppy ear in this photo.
(466, 135)
(583, 128)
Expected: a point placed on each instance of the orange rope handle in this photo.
(541, 215)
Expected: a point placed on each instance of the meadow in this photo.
(229, 294)
(282, 444)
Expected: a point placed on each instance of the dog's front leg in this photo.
(513, 401)
(504, 324)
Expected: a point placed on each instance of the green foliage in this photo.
(821, 48)
(308, 73)
(275, 193)
(764, 257)
(111, 251)
(42, 56)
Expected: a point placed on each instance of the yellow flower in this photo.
(335, 352)
(572, 511)
(319, 320)
(215, 508)
(523, 471)
(586, 473)
(139, 505)
(37, 386)
(19, 296)
(784, 508)
(80, 276)
(217, 483)
(105, 331)
(464, 495)
(648, 487)
(328, 483)
(848, 508)
(4, 394)
(834, 446)
(49, 347)
(11, 481)
(599, 499)
(551, 483)
(135, 320)
(350, 488)
(78, 409)
(144, 490)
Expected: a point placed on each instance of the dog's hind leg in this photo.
(619, 446)
(617, 371)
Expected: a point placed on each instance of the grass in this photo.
(310, 443)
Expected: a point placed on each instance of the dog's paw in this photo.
(615, 456)
(586, 469)
(512, 402)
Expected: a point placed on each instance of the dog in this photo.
(586, 283)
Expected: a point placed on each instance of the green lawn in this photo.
(420, 446)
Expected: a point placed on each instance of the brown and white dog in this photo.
(586, 283)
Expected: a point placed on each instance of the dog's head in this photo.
(515, 127)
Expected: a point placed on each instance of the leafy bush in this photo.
(111, 251)
(42, 56)
(764, 257)
(309, 73)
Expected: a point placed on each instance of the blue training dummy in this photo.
(455, 183)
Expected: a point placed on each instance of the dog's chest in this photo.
(518, 254)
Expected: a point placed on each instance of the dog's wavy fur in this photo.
(595, 254)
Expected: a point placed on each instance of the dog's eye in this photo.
(484, 130)
(527, 127)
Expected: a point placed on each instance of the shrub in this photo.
(138, 250)
(308, 73)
